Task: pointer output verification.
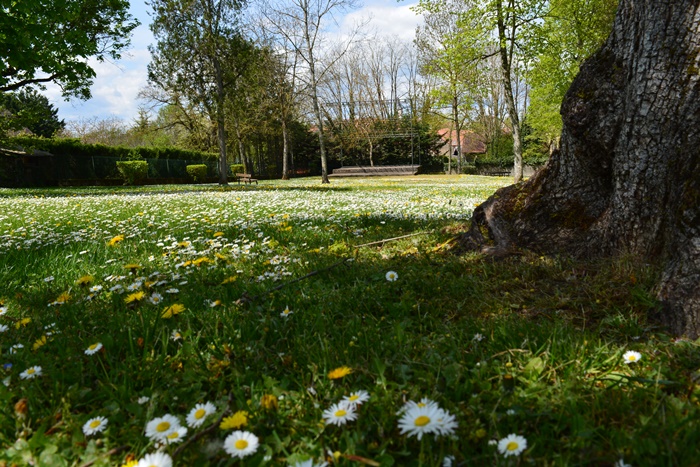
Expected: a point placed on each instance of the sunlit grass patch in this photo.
(280, 317)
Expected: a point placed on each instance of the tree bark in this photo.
(506, 57)
(625, 179)
(285, 151)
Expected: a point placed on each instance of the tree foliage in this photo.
(27, 109)
(198, 56)
(572, 30)
(45, 41)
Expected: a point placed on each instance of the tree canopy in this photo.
(27, 109)
(45, 41)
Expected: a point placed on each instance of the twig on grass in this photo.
(245, 298)
(392, 239)
(109, 453)
(206, 431)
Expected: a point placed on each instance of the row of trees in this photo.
(247, 88)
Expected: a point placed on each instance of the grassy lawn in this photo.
(226, 326)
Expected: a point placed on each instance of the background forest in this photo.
(257, 85)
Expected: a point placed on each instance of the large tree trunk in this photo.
(626, 178)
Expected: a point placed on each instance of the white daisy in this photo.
(631, 356)
(31, 372)
(155, 459)
(424, 402)
(155, 298)
(199, 413)
(95, 288)
(286, 312)
(176, 436)
(159, 428)
(175, 335)
(308, 463)
(446, 423)
(48, 279)
(621, 463)
(3, 310)
(241, 444)
(94, 425)
(512, 445)
(356, 398)
(447, 461)
(172, 290)
(391, 276)
(417, 420)
(478, 337)
(3, 328)
(143, 399)
(339, 414)
(93, 349)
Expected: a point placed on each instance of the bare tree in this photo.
(302, 23)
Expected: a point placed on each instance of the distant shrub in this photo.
(132, 171)
(237, 168)
(198, 172)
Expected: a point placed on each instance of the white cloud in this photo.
(386, 18)
(116, 86)
(115, 89)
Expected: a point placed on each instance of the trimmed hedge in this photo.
(237, 168)
(73, 160)
(131, 171)
(197, 172)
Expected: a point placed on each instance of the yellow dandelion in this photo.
(115, 240)
(63, 298)
(39, 342)
(199, 261)
(183, 244)
(135, 297)
(229, 280)
(339, 372)
(220, 256)
(235, 421)
(85, 280)
(218, 234)
(172, 310)
(133, 267)
(269, 402)
(22, 322)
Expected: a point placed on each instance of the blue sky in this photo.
(117, 84)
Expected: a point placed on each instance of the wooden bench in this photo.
(246, 178)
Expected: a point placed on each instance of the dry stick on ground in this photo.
(206, 431)
(246, 298)
(110, 453)
(392, 239)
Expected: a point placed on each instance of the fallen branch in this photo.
(245, 298)
(109, 453)
(392, 239)
(206, 431)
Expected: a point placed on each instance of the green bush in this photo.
(198, 172)
(132, 171)
(237, 168)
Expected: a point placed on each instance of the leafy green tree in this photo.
(497, 28)
(45, 41)
(27, 109)
(441, 54)
(198, 57)
(571, 32)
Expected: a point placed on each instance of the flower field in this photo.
(297, 324)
